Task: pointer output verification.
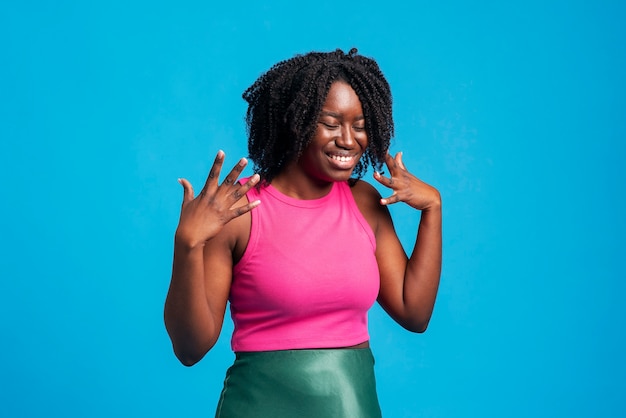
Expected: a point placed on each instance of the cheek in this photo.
(363, 141)
(322, 135)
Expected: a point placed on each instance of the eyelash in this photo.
(331, 126)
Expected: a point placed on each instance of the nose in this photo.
(345, 139)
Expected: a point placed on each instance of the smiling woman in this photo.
(303, 248)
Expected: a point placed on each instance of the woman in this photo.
(303, 248)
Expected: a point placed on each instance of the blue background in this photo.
(516, 111)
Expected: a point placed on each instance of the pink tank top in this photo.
(308, 275)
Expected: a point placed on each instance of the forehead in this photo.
(342, 97)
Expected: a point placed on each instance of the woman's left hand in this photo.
(406, 187)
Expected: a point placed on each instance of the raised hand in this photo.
(406, 187)
(204, 216)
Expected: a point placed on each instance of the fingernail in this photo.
(243, 162)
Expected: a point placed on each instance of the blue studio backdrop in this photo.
(515, 111)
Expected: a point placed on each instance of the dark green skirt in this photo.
(300, 383)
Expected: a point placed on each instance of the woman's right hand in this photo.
(204, 216)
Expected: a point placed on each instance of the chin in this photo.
(340, 176)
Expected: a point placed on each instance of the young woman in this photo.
(303, 248)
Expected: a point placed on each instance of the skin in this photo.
(213, 230)
(340, 134)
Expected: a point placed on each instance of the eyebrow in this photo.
(337, 115)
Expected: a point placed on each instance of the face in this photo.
(339, 140)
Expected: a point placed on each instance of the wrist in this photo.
(434, 205)
(185, 244)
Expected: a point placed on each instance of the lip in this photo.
(342, 161)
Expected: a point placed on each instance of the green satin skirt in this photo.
(301, 383)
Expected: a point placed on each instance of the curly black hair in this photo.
(285, 102)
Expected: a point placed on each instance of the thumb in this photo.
(187, 190)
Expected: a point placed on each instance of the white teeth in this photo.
(341, 158)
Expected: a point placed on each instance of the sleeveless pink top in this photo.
(308, 275)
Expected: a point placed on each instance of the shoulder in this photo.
(364, 193)
(367, 199)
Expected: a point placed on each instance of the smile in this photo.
(342, 158)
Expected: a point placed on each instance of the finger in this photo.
(187, 190)
(394, 198)
(380, 178)
(231, 178)
(244, 188)
(214, 173)
(394, 163)
(398, 160)
(390, 162)
(385, 181)
(245, 208)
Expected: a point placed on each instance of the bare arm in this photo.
(202, 267)
(408, 284)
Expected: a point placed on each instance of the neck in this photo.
(294, 183)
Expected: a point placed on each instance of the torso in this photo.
(366, 198)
